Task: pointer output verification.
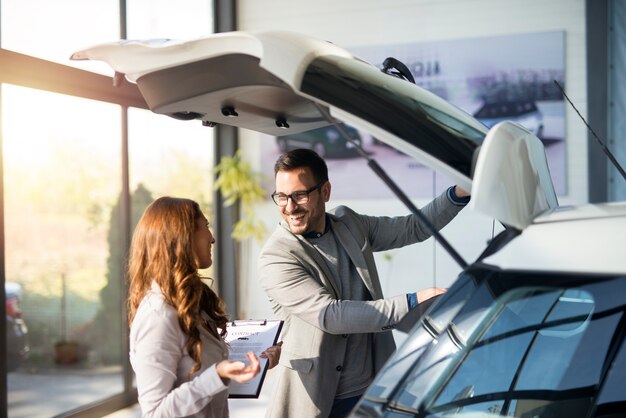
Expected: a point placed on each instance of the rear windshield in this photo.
(403, 109)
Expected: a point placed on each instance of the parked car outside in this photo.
(16, 331)
(536, 325)
(524, 112)
(326, 141)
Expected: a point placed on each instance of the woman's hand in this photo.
(272, 354)
(238, 370)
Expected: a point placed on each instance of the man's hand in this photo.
(272, 354)
(429, 292)
(460, 193)
(238, 370)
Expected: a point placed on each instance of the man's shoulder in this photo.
(353, 223)
(341, 212)
(281, 237)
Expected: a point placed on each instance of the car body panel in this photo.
(569, 241)
(282, 83)
(512, 179)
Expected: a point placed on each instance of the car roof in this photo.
(584, 240)
(282, 83)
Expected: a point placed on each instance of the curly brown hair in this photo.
(162, 251)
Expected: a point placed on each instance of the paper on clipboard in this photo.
(251, 335)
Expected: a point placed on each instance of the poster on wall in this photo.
(499, 78)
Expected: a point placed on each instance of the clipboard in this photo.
(251, 335)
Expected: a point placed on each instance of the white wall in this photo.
(355, 23)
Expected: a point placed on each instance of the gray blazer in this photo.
(303, 293)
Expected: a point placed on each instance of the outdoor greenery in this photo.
(239, 184)
(73, 287)
(106, 330)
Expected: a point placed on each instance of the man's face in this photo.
(309, 216)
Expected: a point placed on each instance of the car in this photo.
(535, 326)
(524, 112)
(18, 348)
(328, 142)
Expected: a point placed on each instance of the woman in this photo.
(178, 324)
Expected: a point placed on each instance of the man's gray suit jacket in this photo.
(303, 293)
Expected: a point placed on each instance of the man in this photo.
(318, 271)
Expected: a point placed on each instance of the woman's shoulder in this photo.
(155, 318)
(153, 303)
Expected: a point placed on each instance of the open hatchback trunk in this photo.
(282, 83)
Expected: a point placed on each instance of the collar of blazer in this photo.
(350, 244)
(355, 251)
(311, 256)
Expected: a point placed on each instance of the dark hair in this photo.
(302, 157)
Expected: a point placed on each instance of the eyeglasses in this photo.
(299, 198)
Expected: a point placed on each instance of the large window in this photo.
(62, 188)
(169, 157)
(67, 165)
(53, 30)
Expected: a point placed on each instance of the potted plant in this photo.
(66, 352)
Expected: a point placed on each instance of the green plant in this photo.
(238, 183)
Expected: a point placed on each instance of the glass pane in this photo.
(157, 19)
(492, 364)
(613, 397)
(62, 185)
(402, 361)
(53, 30)
(169, 157)
(543, 350)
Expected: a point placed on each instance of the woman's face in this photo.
(202, 242)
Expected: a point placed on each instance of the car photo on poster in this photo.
(524, 112)
(326, 141)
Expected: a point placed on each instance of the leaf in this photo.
(238, 183)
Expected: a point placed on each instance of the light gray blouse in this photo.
(161, 365)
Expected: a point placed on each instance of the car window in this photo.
(534, 351)
(445, 354)
(428, 329)
(612, 399)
